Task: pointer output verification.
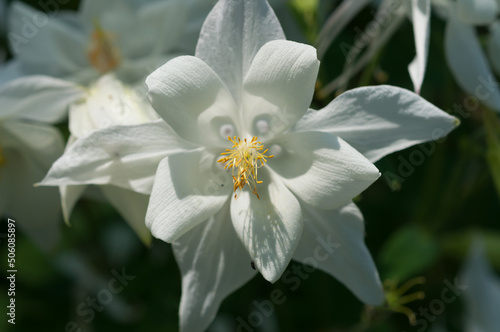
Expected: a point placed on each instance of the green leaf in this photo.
(408, 252)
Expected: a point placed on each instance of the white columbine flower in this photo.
(246, 82)
(28, 147)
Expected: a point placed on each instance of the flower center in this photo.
(102, 54)
(244, 158)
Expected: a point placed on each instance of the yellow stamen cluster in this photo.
(244, 158)
(102, 54)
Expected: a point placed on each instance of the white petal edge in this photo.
(469, 65)
(69, 197)
(29, 149)
(45, 44)
(269, 227)
(190, 97)
(213, 264)
(380, 120)
(279, 85)
(482, 292)
(322, 169)
(421, 14)
(38, 98)
(10, 70)
(124, 156)
(40, 142)
(132, 207)
(188, 189)
(232, 34)
(494, 46)
(333, 241)
(477, 12)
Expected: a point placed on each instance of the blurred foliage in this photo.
(422, 229)
(407, 252)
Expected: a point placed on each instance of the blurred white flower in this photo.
(126, 36)
(109, 46)
(107, 103)
(481, 289)
(464, 54)
(482, 292)
(28, 147)
(246, 82)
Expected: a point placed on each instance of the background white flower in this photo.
(481, 289)
(482, 292)
(102, 36)
(109, 102)
(28, 147)
(464, 54)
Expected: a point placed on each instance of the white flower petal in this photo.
(421, 14)
(80, 122)
(132, 207)
(213, 264)
(269, 227)
(322, 169)
(38, 98)
(44, 44)
(190, 97)
(482, 295)
(469, 64)
(29, 150)
(188, 189)
(197, 13)
(10, 70)
(379, 120)
(279, 85)
(41, 143)
(169, 16)
(109, 102)
(333, 241)
(36, 210)
(494, 46)
(477, 12)
(92, 10)
(69, 196)
(232, 34)
(124, 156)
